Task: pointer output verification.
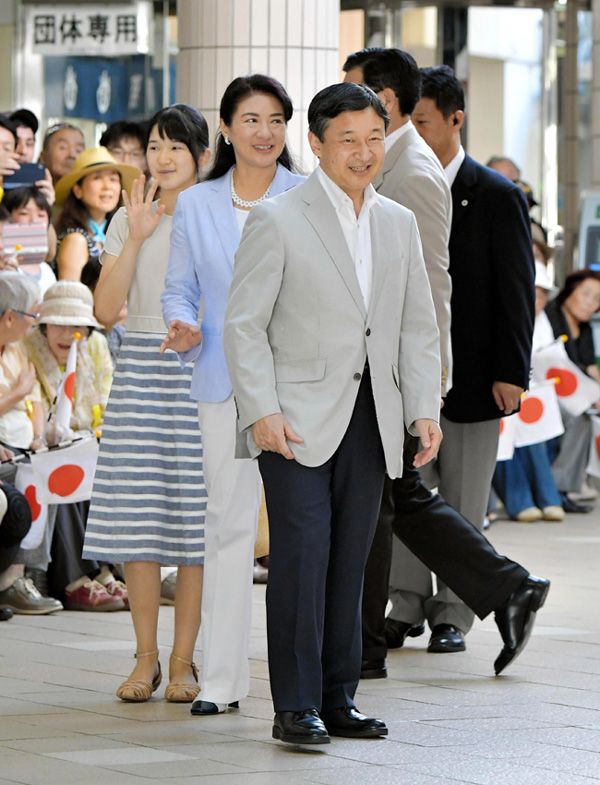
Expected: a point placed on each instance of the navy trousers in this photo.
(321, 524)
(443, 540)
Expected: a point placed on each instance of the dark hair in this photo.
(572, 281)
(181, 123)
(338, 98)
(391, 68)
(358, 59)
(440, 84)
(15, 198)
(10, 126)
(26, 119)
(74, 213)
(4, 214)
(242, 87)
(122, 129)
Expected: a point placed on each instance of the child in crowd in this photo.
(29, 206)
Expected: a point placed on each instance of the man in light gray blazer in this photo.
(332, 346)
(424, 524)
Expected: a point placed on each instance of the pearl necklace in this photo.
(247, 203)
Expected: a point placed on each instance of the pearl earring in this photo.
(226, 140)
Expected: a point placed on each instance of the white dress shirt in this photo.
(357, 231)
(452, 169)
(392, 138)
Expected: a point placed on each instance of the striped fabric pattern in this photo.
(149, 499)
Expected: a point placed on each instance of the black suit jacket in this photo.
(493, 294)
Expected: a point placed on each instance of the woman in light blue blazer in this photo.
(251, 164)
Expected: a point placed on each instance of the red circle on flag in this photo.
(567, 381)
(69, 386)
(34, 506)
(66, 479)
(532, 410)
(501, 427)
(598, 445)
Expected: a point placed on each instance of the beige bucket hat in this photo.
(68, 303)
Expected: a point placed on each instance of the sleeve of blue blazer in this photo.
(181, 296)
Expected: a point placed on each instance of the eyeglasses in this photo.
(35, 316)
(123, 155)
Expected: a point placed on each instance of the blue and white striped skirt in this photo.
(149, 499)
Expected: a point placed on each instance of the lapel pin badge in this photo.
(464, 202)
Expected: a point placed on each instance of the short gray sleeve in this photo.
(116, 235)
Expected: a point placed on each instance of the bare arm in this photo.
(114, 282)
(72, 257)
(37, 420)
(117, 271)
(21, 389)
(52, 243)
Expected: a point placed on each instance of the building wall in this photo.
(296, 41)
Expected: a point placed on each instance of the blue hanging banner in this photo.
(102, 89)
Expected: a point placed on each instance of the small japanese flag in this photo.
(576, 391)
(66, 474)
(25, 482)
(539, 417)
(594, 462)
(66, 394)
(506, 442)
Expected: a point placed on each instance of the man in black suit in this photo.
(492, 271)
(450, 546)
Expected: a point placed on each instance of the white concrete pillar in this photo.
(296, 41)
(570, 115)
(595, 115)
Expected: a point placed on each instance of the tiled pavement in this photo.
(450, 720)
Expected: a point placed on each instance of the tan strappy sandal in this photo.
(179, 692)
(139, 690)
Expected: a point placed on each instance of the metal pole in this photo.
(166, 83)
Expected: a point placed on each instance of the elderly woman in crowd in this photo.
(21, 419)
(569, 314)
(67, 312)
(89, 194)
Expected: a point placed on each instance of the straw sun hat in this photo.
(68, 303)
(92, 160)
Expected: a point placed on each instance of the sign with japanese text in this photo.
(109, 30)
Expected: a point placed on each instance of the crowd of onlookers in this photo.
(543, 481)
(47, 277)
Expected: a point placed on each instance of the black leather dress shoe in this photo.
(446, 638)
(396, 632)
(5, 614)
(373, 669)
(349, 722)
(300, 727)
(516, 618)
(569, 505)
(202, 708)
